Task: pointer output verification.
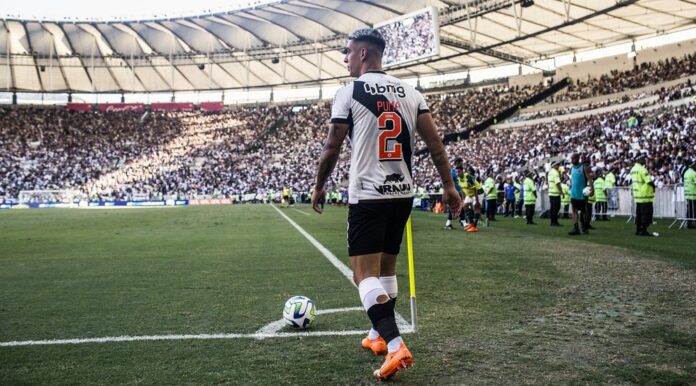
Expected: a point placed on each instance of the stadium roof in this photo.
(298, 41)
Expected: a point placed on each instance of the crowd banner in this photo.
(210, 201)
(681, 207)
(172, 106)
(212, 106)
(149, 203)
(78, 106)
(121, 107)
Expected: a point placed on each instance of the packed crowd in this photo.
(254, 150)
(665, 134)
(113, 155)
(455, 112)
(663, 95)
(52, 148)
(645, 74)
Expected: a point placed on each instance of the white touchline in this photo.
(404, 326)
(126, 338)
(329, 256)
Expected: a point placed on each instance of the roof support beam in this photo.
(566, 8)
(451, 42)
(72, 49)
(473, 9)
(518, 19)
(10, 72)
(55, 49)
(33, 57)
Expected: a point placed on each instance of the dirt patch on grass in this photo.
(617, 319)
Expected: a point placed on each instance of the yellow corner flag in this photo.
(411, 272)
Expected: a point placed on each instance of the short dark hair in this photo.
(369, 35)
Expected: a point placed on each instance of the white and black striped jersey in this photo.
(382, 112)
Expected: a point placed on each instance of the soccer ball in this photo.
(299, 312)
(586, 192)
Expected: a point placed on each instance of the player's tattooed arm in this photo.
(428, 132)
(331, 152)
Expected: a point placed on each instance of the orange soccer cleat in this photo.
(395, 361)
(472, 229)
(377, 346)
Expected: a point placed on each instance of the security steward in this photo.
(530, 196)
(555, 193)
(643, 195)
(600, 196)
(690, 194)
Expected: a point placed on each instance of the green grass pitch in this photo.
(511, 304)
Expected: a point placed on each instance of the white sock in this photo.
(394, 344)
(370, 290)
(390, 285)
(448, 223)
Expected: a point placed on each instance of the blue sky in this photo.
(111, 9)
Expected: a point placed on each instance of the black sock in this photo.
(382, 317)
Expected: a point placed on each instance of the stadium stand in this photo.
(258, 149)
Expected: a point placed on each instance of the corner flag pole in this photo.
(411, 272)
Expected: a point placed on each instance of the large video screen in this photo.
(410, 37)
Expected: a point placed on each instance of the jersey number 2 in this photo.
(385, 135)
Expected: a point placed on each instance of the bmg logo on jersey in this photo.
(378, 89)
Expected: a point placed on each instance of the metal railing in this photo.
(684, 210)
(669, 203)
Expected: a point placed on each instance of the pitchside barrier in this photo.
(681, 208)
(669, 203)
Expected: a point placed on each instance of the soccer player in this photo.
(580, 177)
(286, 197)
(381, 114)
(458, 165)
(472, 200)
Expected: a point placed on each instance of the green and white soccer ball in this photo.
(299, 312)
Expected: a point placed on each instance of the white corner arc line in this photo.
(404, 326)
(275, 326)
(300, 211)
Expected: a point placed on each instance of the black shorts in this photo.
(375, 227)
(578, 204)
